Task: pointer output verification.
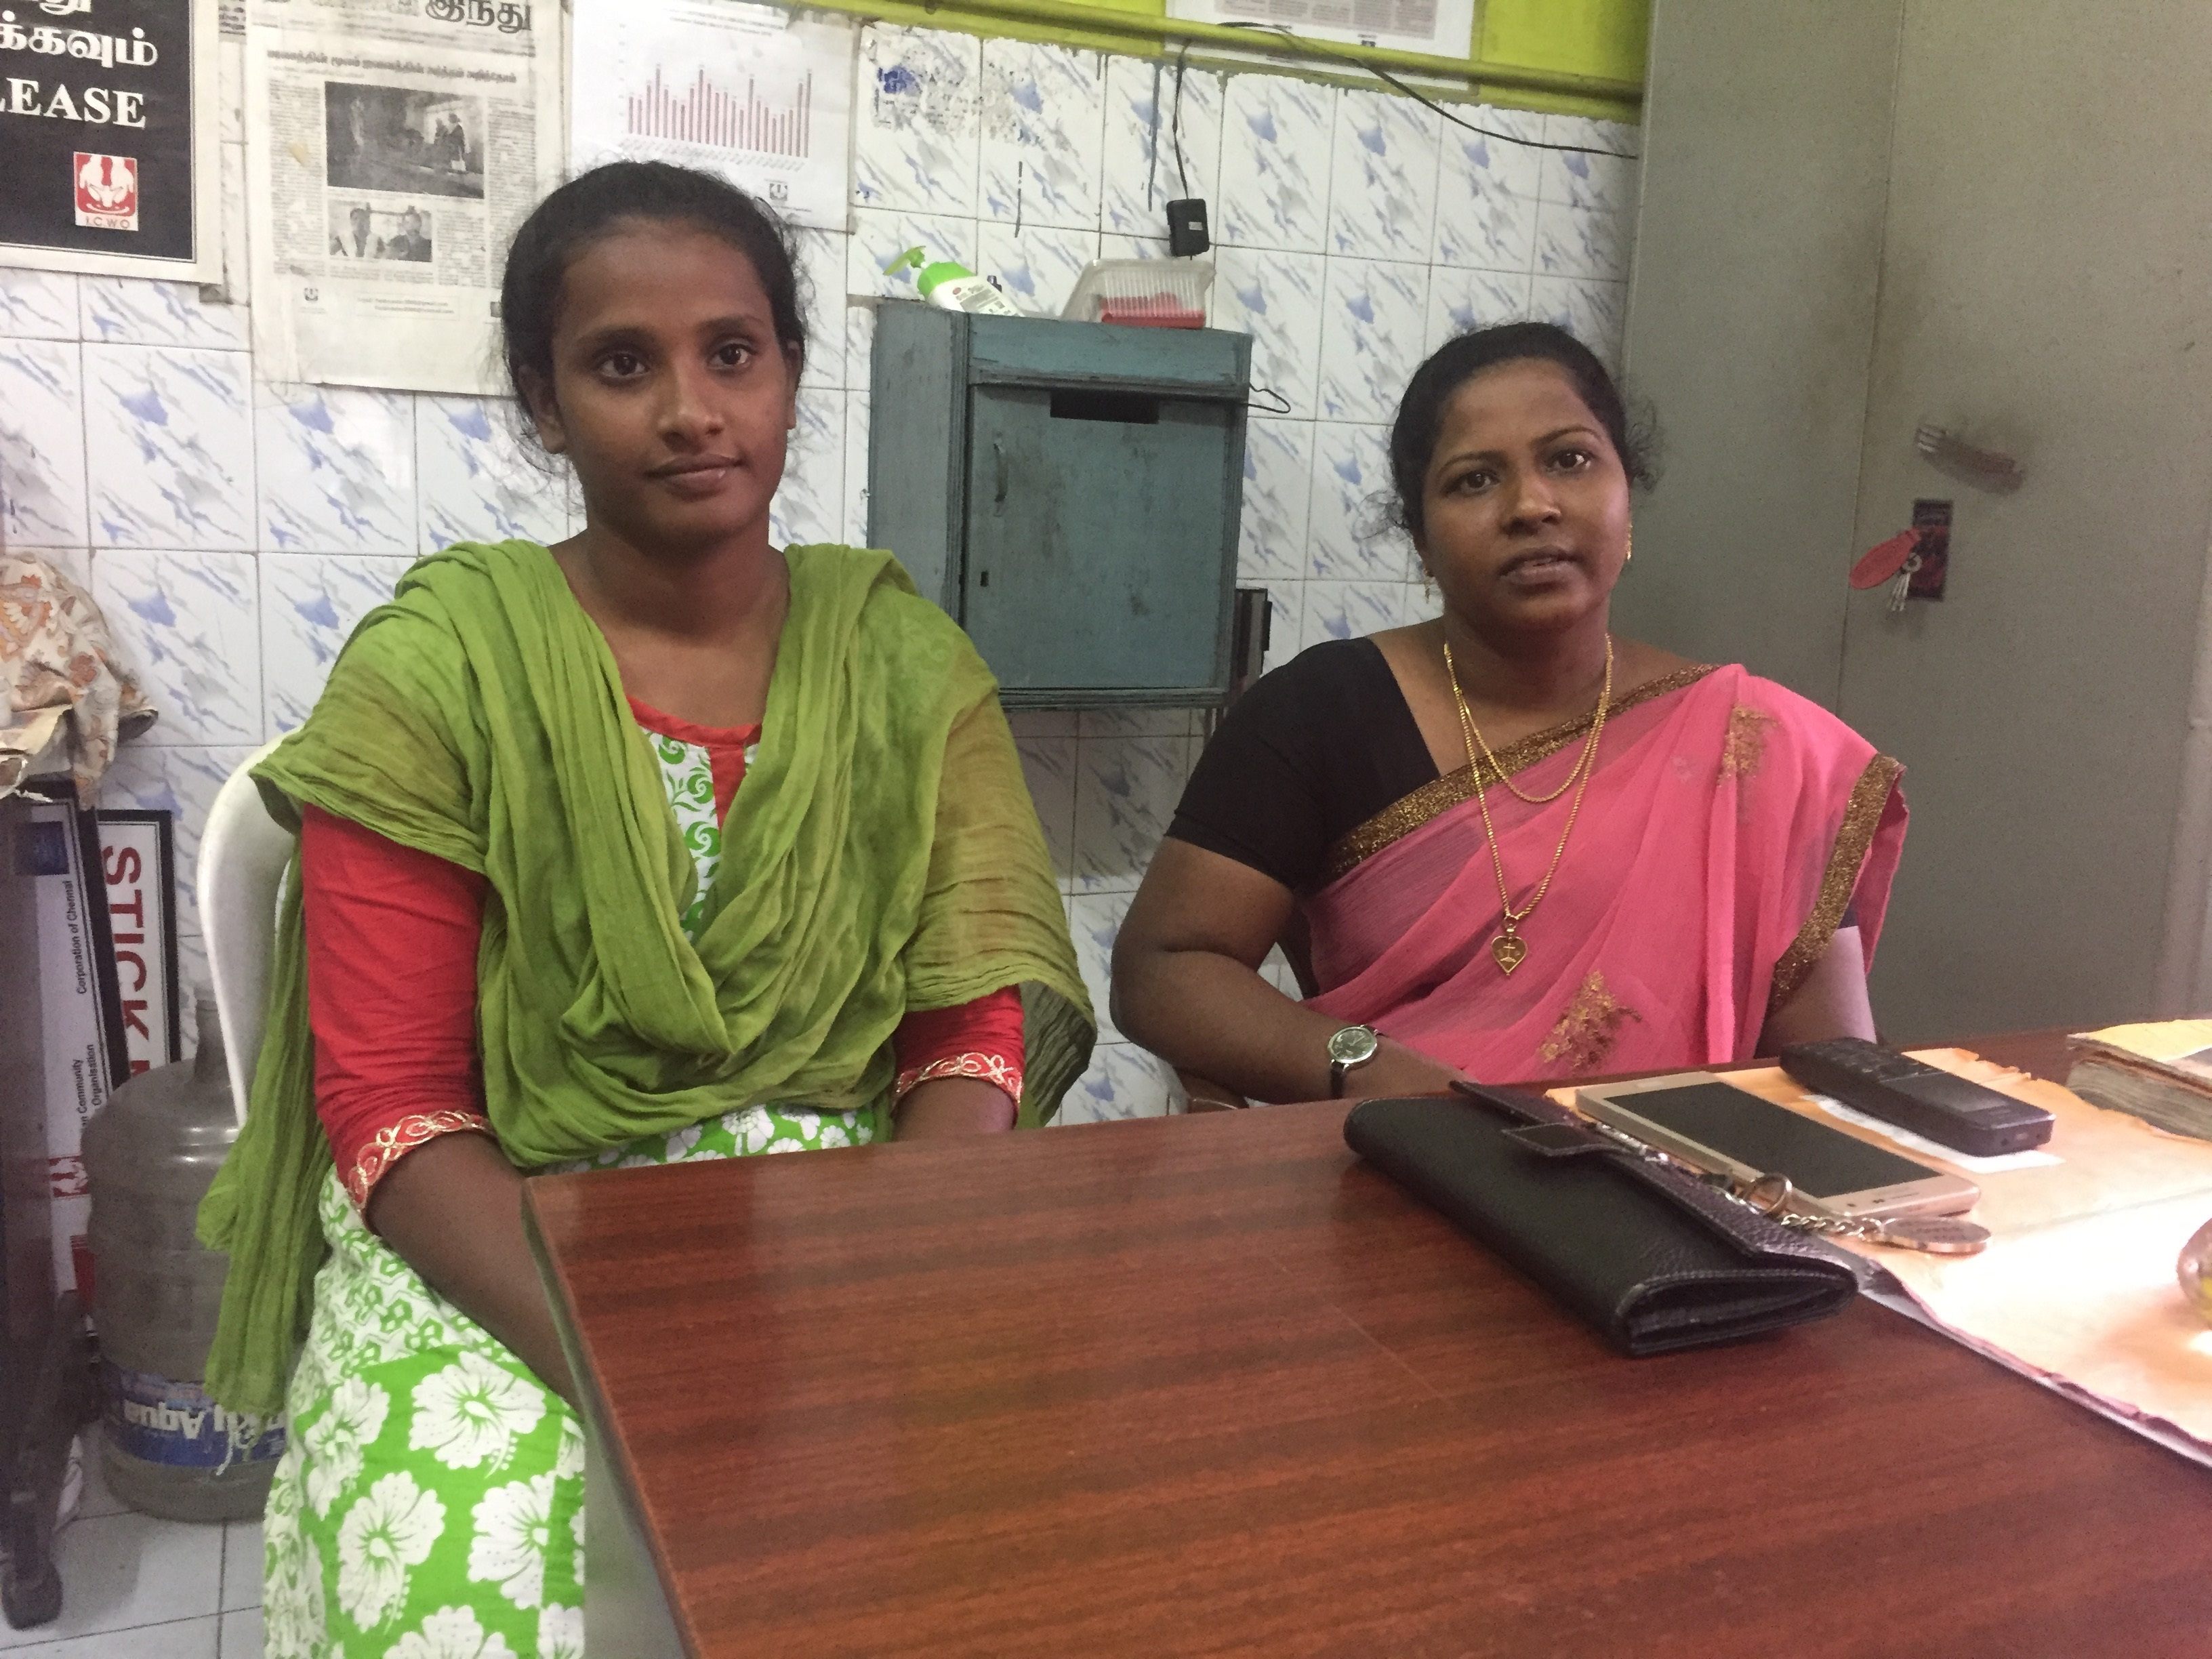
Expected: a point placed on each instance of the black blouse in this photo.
(1308, 754)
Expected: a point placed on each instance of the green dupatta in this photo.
(882, 856)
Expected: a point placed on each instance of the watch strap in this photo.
(1339, 1070)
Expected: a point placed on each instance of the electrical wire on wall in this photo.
(1152, 146)
(1152, 149)
(1183, 63)
(1380, 74)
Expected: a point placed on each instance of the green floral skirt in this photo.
(431, 1501)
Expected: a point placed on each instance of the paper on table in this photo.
(2077, 1284)
(1890, 1294)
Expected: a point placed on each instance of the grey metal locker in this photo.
(1069, 492)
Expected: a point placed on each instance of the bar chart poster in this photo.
(749, 92)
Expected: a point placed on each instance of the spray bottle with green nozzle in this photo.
(953, 286)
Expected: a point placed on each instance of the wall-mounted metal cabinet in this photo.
(1068, 492)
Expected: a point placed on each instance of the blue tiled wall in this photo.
(235, 529)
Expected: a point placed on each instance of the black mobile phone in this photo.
(1951, 1111)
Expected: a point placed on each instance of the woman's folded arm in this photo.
(1187, 985)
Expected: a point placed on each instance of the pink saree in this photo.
(1728, 826)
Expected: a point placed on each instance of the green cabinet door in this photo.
(1141, 598)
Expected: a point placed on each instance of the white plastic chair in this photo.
(243, 852)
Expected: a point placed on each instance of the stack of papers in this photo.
(2161, 1073)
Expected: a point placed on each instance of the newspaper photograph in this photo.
(396, 148)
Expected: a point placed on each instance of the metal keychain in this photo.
(1770, 1196)
(1901, 589)
(1938, 1235)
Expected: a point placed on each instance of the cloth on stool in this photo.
(59, 670)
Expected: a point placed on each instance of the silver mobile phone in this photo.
(1715, 1126)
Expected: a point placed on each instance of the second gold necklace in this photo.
(1508, 948)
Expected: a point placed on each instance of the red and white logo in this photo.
(107, 192)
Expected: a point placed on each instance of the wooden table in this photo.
(1209, 1386)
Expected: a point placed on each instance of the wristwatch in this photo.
(1348, 1050)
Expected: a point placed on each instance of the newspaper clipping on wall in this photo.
(107, 138)
(1444, 28)
(395, 146)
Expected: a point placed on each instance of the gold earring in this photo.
(1631, 554)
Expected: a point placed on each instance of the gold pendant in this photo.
(1507, 950)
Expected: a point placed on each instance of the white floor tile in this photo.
(241, 1634)
(241, 1565)
(124, 1571)
(183, 1638)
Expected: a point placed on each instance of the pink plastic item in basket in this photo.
(1143, 293)
(1152, 311)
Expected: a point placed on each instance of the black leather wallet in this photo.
(1652, 1258)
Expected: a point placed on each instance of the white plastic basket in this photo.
(1143, 293)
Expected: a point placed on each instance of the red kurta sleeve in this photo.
(980, 1039)
(391, 938)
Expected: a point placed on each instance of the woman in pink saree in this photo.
(1507, 844)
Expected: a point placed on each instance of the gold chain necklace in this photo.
(1508, 948)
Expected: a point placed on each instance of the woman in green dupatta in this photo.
(539, 747)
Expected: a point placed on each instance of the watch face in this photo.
(1353, 1044)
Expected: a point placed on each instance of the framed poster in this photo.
(107, 138)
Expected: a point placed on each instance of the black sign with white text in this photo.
(97, 129)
